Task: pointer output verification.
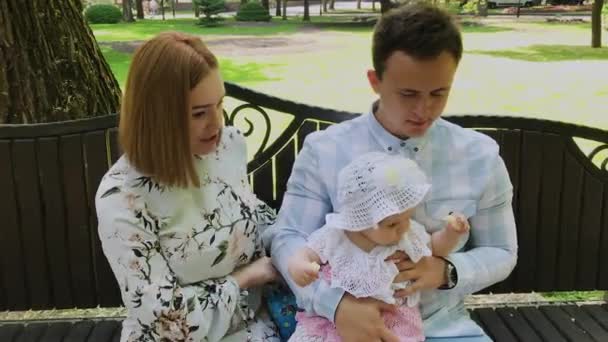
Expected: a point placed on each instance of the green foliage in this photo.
(103, 14)
(210, 9)
(252, 11)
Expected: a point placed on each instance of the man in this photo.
(416, 51)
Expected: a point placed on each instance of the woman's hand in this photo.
(360, 320)
(255, 274)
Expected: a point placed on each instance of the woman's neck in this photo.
(360, 241)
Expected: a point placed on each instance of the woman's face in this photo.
(206, 113)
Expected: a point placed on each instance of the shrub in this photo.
(103, 14)
(252, 11)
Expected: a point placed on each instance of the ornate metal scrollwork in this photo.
(242, 109)
(596, 154)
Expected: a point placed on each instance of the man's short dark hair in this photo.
(418, 29)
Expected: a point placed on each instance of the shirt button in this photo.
(416, 149)
(390, 148)
(402, 144)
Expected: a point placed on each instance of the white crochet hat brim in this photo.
(384, 204)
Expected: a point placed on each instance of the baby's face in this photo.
(391, 229)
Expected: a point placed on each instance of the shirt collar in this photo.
(391, 143)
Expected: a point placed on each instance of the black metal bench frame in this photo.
(51, 257)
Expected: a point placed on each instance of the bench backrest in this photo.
(49, 173)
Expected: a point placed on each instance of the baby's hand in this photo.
(302, 271)
(457, 223)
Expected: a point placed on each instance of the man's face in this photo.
(413, 93)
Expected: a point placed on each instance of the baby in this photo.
(377, 196)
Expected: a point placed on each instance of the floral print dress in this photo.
(172, 249)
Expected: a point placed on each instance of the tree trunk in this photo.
(266, 4)
(127, 11)
(173, 7)
(374, 5)
(162, 8)
(332, 5)
(596, 24)
(358, 4)
(306, 10)
(51, 68)
(284, 9)
(385, 6)
(139, 5)
(325, 5)
(278, 9)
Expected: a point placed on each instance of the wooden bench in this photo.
(51, 256)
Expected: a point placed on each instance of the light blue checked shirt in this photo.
(467, 175)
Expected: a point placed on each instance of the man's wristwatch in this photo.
(450, 275)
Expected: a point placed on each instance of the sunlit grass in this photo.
(550, 53)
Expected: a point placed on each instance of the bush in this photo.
(252, 11)
(103, 14)
(210, 9)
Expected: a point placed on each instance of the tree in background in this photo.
(139, 6)
(51, 68)
(596, 23)
(127, 11)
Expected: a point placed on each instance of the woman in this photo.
(177, 219)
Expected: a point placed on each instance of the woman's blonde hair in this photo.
(154, 129)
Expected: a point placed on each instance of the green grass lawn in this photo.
(550, 53)
(502, 73)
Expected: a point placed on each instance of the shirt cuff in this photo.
(326, 300)
(464, 272)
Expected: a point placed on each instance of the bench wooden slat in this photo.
(10, 332)
(603, 275)
(552, 161)
(569, 224)
(599, 314)
(104, 331)
(96, 166)
(541, 324)
(565, 324)
(32, 333)
(116, 337)
(263, 183)
(115, 150)
(518, 325)
(11, 253)
(590, 235)
(527, 234)
(79, 240)
(80, 331)
(56, 332)
(496, 328)
(55, 225)
(586, 322)
(284, 163)
(32, 231)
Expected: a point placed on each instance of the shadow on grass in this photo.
(231, 71)
(549, 53)
(468, 26)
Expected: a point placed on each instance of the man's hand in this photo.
(360, 320)
(427, 274)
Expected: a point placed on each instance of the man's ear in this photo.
(374, 80)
